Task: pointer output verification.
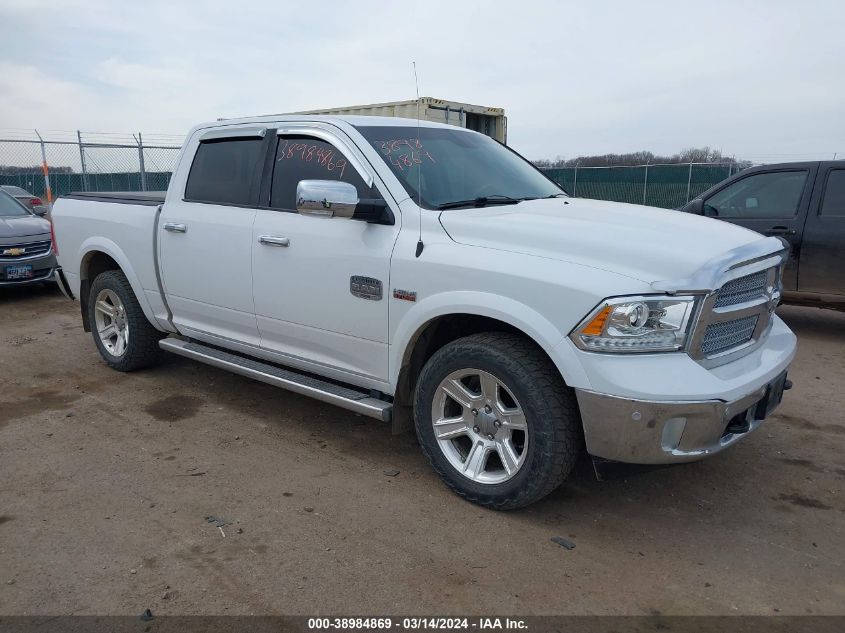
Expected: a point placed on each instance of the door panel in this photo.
(205, 240)
(822, 267)
(302, 287)
(771, 202)
(206, 270)
(303, 303)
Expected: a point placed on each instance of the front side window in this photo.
(445, 166)
(9, 207)
(307, 158)
(760, 196)
(834, 194)
(224, 171)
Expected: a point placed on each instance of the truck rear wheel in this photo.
(496, 420)
(124, 337)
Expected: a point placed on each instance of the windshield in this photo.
(9, 207)
(453, 166)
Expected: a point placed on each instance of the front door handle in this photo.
(273, 240)
(175, 227)
(780, 230)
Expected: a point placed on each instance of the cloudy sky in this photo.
(761, 80)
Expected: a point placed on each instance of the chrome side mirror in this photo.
(326, 198)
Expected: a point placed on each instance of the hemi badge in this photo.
(404, 295)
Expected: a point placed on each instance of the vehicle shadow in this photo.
(29, 291)
(815, 322)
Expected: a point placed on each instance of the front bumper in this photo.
(43, 269)
(635, 422)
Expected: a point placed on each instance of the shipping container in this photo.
(489, 121)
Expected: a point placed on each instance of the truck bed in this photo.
(119, 225)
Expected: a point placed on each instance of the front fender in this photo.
(516, 314)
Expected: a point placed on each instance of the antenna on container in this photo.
(420, 244)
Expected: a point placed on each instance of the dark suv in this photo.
(26, 247)
(804, 203)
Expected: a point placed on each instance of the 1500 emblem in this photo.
(365, 287)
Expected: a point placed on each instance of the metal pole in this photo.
(575, 181)
(689, 180)
(645, 182)
(141, 162)
(47, 189)
(82, 161)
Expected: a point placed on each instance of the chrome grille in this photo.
(736, 316)
(742, 289)
(719, 337)
(24, 251)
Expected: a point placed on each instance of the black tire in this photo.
(551, 412)
(142, 349)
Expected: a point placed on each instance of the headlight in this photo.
(636, 324)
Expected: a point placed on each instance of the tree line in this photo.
(17, 170)
(691, 155)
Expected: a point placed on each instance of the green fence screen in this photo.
(667, 186)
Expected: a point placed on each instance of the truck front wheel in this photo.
(124, 337)
(496, 420)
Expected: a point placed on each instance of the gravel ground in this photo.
(107, 480)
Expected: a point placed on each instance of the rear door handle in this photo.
(175, 227)
(780, 230)
(273, 240)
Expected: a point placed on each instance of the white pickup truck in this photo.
(424, 274)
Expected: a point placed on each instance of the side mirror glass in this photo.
(326, 198)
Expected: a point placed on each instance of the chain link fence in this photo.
(667, 186)
(76, 161)
(64, 162)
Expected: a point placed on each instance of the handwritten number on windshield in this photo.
(404, 153)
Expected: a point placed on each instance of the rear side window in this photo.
(760, 196)
(307, 158)
(834, 194)
(225, 171)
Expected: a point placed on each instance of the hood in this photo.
(22, 226)
(645, 243)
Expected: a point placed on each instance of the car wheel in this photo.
(496, 420)
(124, 337)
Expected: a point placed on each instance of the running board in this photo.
(357, 401)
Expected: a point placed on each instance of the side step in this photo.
(357, 401)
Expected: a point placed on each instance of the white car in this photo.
(422, 273)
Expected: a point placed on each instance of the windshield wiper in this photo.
(481, 201)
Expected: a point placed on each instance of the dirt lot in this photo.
(106, 480)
